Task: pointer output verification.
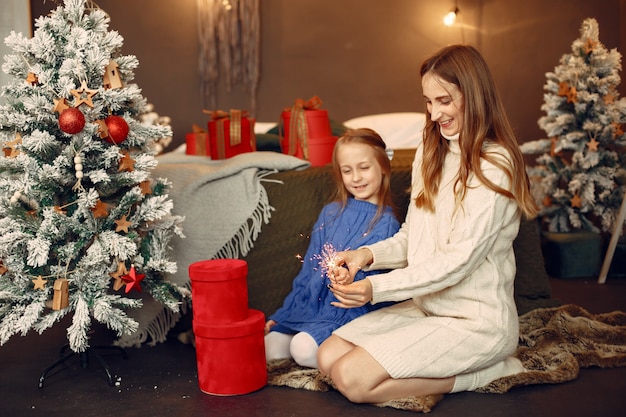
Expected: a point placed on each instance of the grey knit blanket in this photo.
(224, 204)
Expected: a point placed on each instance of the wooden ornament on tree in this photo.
(10, 149)
(60, 104)
(111, 77)
(117, 129)
(32, 78)
(71, 121)
(60, 300)
(83, 95)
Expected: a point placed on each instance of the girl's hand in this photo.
(269, 325)
(354, 260)
(353, 295)
(341, 276)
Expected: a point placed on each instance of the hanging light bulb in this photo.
(450, 18)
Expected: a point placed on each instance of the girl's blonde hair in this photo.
(485, 122)
(368, 137)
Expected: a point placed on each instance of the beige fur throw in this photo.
(554, 344)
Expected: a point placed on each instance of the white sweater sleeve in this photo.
(485, 225)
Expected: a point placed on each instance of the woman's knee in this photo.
(329, 351)
(347, 381)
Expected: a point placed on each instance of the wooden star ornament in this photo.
(127, 163)
(592, 145)
(40, 283)
(10, 148)
(609, 98)
(118, 282)
(103, 130)
(3, 269)
(618, 131)
(83, 95)
(133, 279)
(101, 209)
(122, 224)
(571, 95)
(563, 89)
(590, 45)
(32, 79)
(60, 104)
(145, 187)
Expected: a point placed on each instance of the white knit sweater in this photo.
(456, 271)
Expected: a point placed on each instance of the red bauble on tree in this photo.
(71, 120)
(118, 129)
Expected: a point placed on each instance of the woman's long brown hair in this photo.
(485, 122)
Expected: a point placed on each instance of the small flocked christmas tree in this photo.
(580, 180)
(82, 224)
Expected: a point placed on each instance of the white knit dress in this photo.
(455, 269)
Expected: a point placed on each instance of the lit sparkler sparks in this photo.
(327, 259)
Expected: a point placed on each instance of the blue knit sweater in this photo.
(307, 307)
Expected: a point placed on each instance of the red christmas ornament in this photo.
(71, 120)
(132, 280)
(118, 129)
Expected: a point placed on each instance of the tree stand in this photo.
(84, 361)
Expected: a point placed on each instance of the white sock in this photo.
(480, 378)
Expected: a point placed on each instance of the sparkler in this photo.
(327, 259)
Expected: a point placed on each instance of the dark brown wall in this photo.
(360, 56)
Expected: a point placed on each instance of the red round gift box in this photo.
(319, 137)
(321, 150)
(219, 290)
(231, 356)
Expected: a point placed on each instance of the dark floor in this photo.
(162, 381)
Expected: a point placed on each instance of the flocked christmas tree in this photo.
(83, 226)
(580, 180)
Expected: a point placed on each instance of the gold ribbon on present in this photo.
(298, 129)
(200, 139)
(220, 117)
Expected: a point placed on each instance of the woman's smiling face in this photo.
(444, 102)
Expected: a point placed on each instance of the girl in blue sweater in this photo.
(360, 214)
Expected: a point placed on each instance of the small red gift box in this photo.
(307, 133)
(219, 290)
(230, 133)
(197, 142)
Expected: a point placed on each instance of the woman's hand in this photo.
(269, 325)
(353, 295)
(354, 260)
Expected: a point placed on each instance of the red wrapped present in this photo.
(230, 133)
(307, 133)
(197, 142)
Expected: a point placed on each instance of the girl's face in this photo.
(362, 175)
(444, 102)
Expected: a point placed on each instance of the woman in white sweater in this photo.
(455, 327)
